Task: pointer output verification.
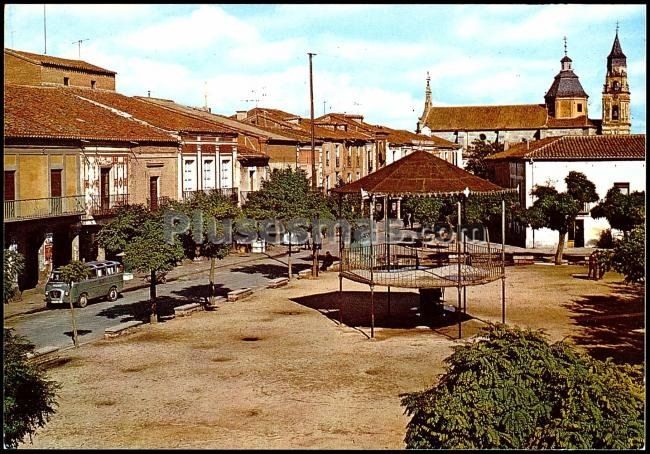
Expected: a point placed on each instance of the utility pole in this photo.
(78, 42)
(311, 103)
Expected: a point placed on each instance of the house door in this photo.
(153, 193)
(10, 194)
(55, 192)
(579, 234)
(251, 180)
(104, 190)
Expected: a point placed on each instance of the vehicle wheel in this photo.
(83, 301)
(112, 294)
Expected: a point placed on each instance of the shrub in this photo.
(605, 240)
(13, 265)
(628, 257)
(512, 389)
(29, 398)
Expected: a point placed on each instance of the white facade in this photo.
(602, 173)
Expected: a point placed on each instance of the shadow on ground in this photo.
(270, 271)
(612, 324)
(200, 293)
(404, 312)
(140, 310)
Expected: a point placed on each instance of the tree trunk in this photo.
(153, 316)
(212, 289)
(75, 339)
(560, 248)
(289, 259)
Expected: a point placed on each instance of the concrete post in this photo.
(75, 247)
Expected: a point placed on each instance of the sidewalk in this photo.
(33, 300)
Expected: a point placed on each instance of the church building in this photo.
(564, 111)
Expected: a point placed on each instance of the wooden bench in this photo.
(523, 260)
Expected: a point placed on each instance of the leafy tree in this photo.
(558, 210)
(213, 208)
(14, 264)
(29, 398)
(72, 273)
(622, 211)
(427, 210)
(124, 226)
(148, 252)
(628, 256)
(287, 196)
(476, 154)
(512, 389)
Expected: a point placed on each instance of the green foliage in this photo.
(13, 265)
(427, 210)
(125, 225)
(512, 389)
(552, 209)
(476, 154)
(622, 211)
(287, 195)
(29, 398)
(148, 251)
(605, 239)
(74, 271)
(214, 207)
(580, 188)
(628, 256)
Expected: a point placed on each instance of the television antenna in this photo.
(78, 43)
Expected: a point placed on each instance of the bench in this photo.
(122, 328)
(186, 309)
(279, 282)
(304, 274)
(239, 294)
(523, 260)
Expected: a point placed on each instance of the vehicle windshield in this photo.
(56, 277)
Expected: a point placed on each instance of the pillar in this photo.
(75, 247)
(399, 208)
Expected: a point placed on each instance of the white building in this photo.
(607, 161)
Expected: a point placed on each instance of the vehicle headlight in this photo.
(66, 293)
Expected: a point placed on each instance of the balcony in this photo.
(157, 203)
(20, 210)
(106, 206)
(586, 209)
(231, 193)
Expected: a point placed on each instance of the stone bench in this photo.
(186, 309)
(217, 301)
(239, 294)
(304, 274)
(122, 328)
(523, 259)
(279, 282)
(42, 351)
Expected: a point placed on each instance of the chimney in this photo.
(241, 114)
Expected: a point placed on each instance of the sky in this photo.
(370, 59)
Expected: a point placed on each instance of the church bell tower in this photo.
(616, 92)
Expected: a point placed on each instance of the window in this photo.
(226, 181)
(579, 107)
(208, 174)
(349, 178)
(616, 85)
(623, 187)
(189, 175)
(358, 156)
(327, 157)
(349, 156)
(66, 81)
(338, 155)
(614, 112)
(93, 84)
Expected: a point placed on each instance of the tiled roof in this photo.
(565, 85)
(486, 118)
(48, 60)
(403, 137)
(420, 173)
(610, 147)
(56, 113)
(578, 122)
(152, 114)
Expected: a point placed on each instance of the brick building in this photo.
(26, 68)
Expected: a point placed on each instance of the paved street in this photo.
(53, 327)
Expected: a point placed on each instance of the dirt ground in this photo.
(277, 371)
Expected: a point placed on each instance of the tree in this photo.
(213, 207)
(287, 196)
(558, 210)
(628, 257)
(124, 226)
(29, 398)
(622, 211)
(476, 154)
(148, 252)
(427, 210)
(71, 273)
(14, 264)
(512, 389)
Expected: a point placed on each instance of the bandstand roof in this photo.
(420, 174)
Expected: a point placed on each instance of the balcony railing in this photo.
(158, 203)
(105, 206)
(18, 210)
(586, 208)
(231, 193)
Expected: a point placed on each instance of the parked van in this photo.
(106, 279)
